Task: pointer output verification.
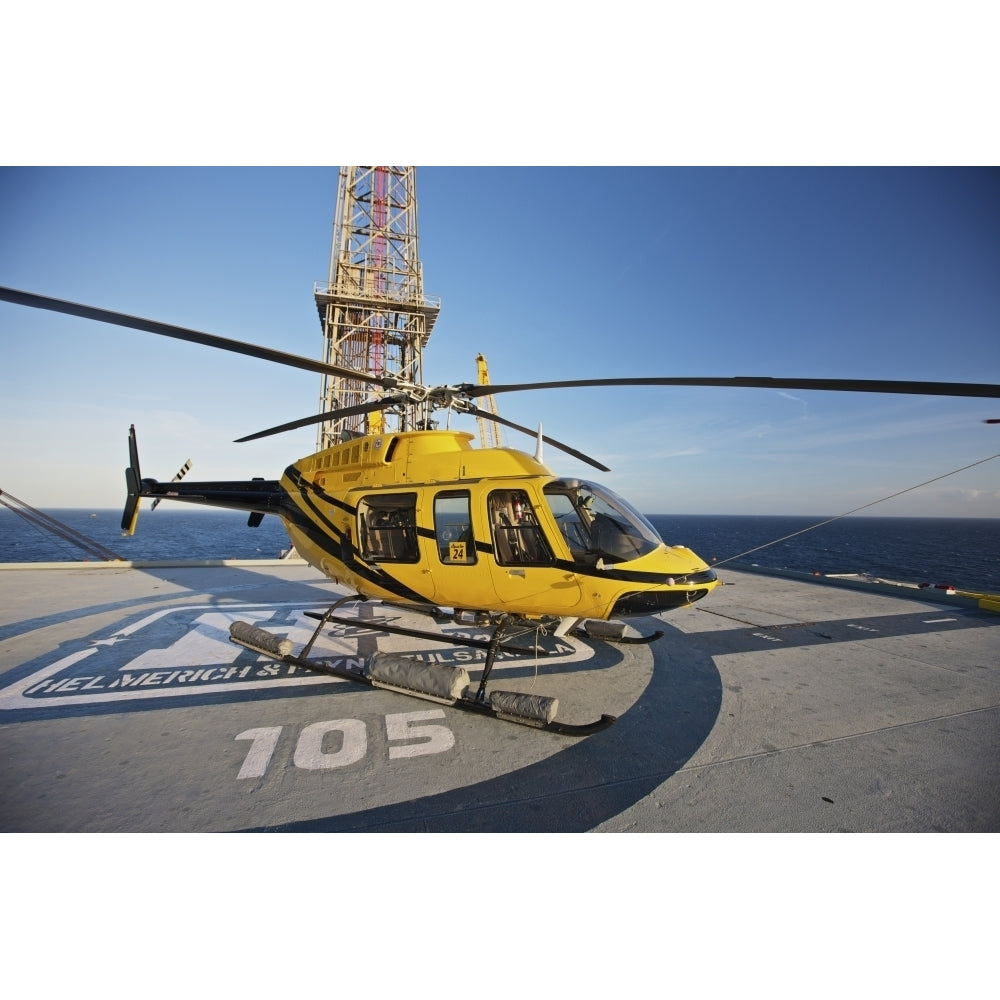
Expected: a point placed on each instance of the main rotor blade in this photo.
(182, 333)
(476, 412)
(978, 389)
(318, 418)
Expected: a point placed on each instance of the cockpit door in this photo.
(524, 566)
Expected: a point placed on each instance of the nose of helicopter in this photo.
(673, 592)
(674, 577)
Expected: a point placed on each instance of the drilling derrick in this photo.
(373, 311)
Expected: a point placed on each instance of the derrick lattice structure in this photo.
(375, 316)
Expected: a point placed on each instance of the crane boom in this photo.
(489, 430)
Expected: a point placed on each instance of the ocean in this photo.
(963, 552)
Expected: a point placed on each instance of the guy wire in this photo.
(830, 520)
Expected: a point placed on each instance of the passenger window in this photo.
(517, 537)
(388, 528)
(453, 529)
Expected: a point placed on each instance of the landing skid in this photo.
(372, 626)
(446, 685)
(604, 631)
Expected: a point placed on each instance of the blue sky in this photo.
(552, 273)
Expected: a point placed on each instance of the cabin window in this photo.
(574, 532)
(388, 527)
(517, 537)
(453, 528)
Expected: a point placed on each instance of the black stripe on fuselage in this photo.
(609, 572)
(331, 541)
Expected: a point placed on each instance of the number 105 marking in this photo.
(420, 738)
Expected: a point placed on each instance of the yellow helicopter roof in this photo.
(414, 456)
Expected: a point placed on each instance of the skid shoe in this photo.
(615, 632)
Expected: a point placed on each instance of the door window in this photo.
(517, 537)
(453, 528)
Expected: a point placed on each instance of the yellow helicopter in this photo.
(421, 518)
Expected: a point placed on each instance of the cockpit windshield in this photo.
(597, 524)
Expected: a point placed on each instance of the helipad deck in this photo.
(772, 705)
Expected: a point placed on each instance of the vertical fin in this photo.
(133, 481)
